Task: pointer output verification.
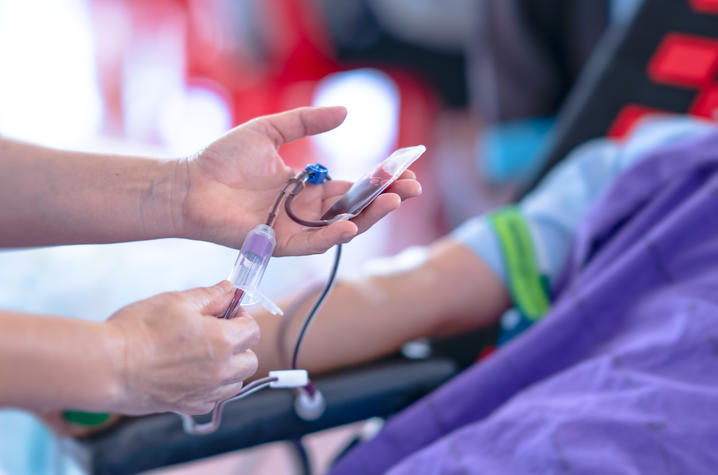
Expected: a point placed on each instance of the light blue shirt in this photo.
(554, 210)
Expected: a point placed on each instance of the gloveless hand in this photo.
(178, 356)
(230, 186)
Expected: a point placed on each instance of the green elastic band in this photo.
(86, 418)
(525, 281)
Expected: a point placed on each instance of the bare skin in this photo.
(452, 292)
(131, 363)
(219, 194)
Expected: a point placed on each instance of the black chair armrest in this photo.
(142, 443)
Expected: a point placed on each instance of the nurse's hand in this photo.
(230, 187)
(177, 356)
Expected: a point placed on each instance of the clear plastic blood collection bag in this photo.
(371, 185)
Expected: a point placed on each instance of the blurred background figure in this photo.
(168, 76)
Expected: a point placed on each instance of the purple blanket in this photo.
(621, 376)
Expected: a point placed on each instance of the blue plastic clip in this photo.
(317, 174)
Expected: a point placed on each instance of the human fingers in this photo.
(297, 123)
(204, 404)
(339, 187)
(408, 173)
(239, 367)
(319, 240)
(234, 371)
(406, 188)
(380, 207)
(335, 188)
(240, 333)
(210, 300)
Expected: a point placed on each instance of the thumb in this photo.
(211, 300)
(297, 123)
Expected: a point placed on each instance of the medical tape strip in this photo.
(527, 286)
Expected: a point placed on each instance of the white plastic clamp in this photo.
(289, 378)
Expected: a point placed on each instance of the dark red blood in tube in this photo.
(233, 305)
(379, 177)
(358, 195)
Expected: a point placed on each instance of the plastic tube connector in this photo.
(250, 265)
(309, 407)
(316, 173)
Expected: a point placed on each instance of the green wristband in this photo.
(86, 418)
(526, 284)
